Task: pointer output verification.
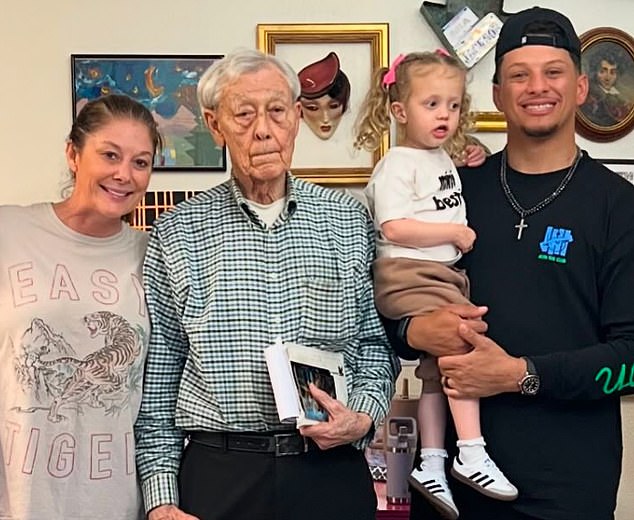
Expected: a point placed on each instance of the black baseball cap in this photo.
(514, 33)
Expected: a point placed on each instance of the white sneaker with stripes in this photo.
(432, 484)
(484, 477)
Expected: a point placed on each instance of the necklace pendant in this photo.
(520, 228)
(527, 212)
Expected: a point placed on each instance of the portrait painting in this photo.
(335, 64)
(166, 85)
(607, 58)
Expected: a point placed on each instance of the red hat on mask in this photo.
(317, 78)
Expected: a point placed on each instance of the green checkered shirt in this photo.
(222, 286)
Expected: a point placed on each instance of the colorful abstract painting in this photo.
(166, 85)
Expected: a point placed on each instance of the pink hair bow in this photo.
(390, 76)
(442, 52)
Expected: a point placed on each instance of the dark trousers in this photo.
(481, 508)
(335, 484)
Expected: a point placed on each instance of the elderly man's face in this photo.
(257, 120)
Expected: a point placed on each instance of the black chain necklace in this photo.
(523, 212)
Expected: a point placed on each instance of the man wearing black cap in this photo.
(554, 263)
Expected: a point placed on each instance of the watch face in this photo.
(530, 385)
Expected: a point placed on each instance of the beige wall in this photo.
(38, 36)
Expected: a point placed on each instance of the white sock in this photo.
(472, 450)
(434, 458)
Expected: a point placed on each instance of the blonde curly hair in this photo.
(374, 117)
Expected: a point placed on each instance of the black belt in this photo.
(279, 444)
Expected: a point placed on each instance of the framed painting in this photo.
(607, 58)
(336, 63)
(166, 85)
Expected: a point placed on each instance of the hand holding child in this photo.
(474, 155)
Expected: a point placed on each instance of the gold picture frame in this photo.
(489, 121)
(333, 161)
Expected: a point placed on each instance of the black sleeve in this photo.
(606, 368)
(396, 331)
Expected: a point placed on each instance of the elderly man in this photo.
(554, 263)
(262, 256)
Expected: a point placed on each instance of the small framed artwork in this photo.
(335, 63)
(166, 85)
(607, 58)
(624, 167)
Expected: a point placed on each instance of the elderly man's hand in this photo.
(169, 512)
(343, 426)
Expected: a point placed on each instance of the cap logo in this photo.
(545, 39)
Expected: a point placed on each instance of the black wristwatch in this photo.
(530, 383)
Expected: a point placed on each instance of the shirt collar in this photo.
(611, 90)
(289, 207)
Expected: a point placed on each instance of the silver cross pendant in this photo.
(520, 228)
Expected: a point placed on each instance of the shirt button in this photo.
(277, 319)
(273, 276)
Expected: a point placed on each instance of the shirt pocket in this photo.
(328, 313)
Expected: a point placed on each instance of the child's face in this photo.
(431, 112)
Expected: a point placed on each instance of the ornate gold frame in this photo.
(376, 35)
(489, 122)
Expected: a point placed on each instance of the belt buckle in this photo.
(280, 452)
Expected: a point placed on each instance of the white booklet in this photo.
(292, 368)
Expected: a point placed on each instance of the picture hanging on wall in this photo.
(335, 63)
(624, 167)
(166, 85)
(607, 58)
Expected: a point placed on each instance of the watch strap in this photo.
(530, 366)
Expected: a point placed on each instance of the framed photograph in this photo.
(166, 85)
(624, 167)
(335, 63)
(489, 121)
(607, 58)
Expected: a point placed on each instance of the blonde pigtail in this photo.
(374, 116)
